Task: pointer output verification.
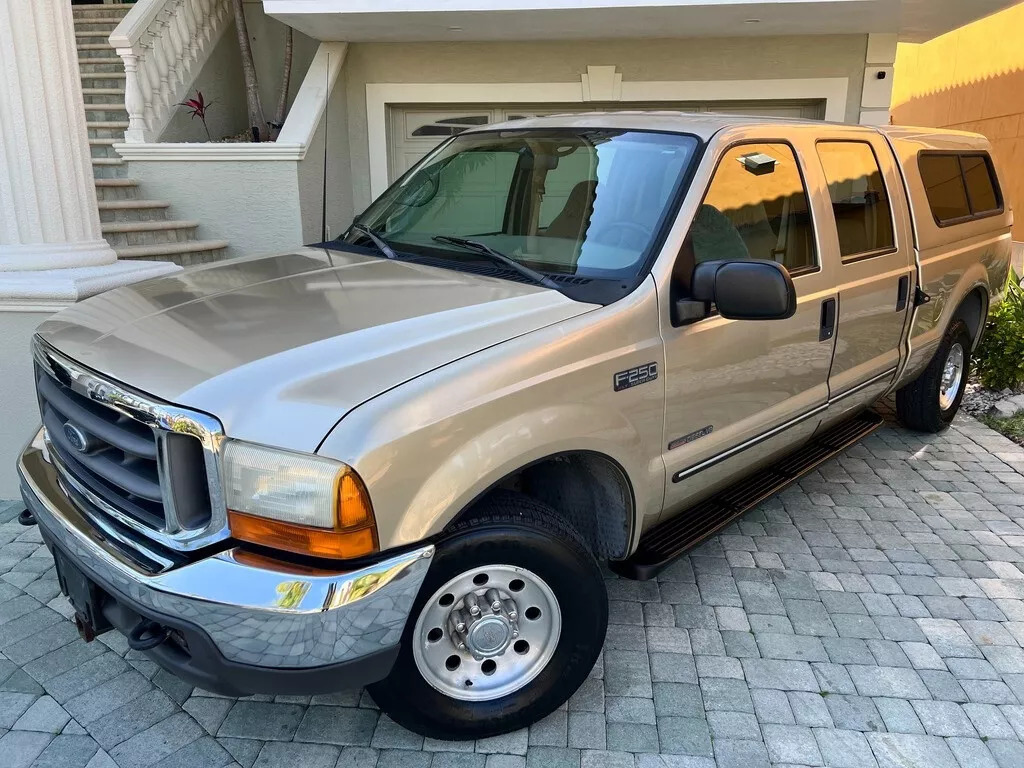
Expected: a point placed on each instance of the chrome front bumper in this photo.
(257, 612)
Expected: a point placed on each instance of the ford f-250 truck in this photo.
(399, 458)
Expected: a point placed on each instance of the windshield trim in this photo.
(645, 263)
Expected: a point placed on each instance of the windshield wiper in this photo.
(522, 269)
(377, 240)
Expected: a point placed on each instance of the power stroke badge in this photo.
(634, 377)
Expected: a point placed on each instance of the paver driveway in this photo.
(871, 616)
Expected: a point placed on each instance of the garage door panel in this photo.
(415, 130)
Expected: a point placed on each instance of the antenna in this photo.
(327, 123)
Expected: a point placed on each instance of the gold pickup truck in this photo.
(400, 458)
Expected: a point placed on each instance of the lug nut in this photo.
(510, 609)
(494, 599)
(473, 604)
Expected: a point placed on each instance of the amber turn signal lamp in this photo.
(354, 533)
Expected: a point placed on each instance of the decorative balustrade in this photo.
(164, 44)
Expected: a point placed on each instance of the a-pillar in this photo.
(52, 252)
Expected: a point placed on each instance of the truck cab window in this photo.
(860, 201)
(756, 208)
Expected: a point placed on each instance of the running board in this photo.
(670, 539)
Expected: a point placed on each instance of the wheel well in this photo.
(972, 311)
(588, 490)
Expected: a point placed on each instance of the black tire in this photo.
(917, 404)
(513, 529)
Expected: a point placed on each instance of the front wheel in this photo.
(507, 625)
(929, 403)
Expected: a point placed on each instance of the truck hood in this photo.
(281, 347)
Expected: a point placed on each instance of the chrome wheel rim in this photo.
(487, 633)
(952, 375)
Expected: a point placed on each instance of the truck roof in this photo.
(706, 124)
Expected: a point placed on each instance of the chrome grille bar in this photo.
(133, 432)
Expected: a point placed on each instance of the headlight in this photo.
(297, 502)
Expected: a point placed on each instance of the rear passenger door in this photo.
(866, 233)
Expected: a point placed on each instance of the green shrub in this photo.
(999, 358)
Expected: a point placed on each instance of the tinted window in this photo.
(981, 189)
(859, 198)
(755, 208)
(944, 185)
(959, 186)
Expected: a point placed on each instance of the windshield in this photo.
(583, 202)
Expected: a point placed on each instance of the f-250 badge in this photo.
(635, 376)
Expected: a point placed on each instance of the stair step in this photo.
(85, 9)
(94, 47)
(147, 226)
(100, 59)
(108, 161)
(104, 142)
(666, 541)
(169, 249)
(111, 124)
(105, 108)
(103, 75)
(117, 182)
(92, 33)
(104, 92)
(127, 205)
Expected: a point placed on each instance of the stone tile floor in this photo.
(870, 617)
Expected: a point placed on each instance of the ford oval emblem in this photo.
(76, 438)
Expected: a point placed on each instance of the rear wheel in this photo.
(507, 625)
(929, 403)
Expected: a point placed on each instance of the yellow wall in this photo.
(971, 79)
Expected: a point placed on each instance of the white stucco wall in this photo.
(254, 204)
(221, 79)
(339, 172)
(19, 412)
(692, 59)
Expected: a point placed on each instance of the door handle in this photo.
(902, 293)
(828, 320)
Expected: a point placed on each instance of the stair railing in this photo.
(164, 45)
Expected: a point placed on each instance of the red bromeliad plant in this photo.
(198, 107)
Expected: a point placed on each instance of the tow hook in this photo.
(26, 517)
(85, 628)
(147, 635)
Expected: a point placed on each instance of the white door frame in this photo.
(600, 84)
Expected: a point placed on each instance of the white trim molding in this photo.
(216, 152)
(380, 96)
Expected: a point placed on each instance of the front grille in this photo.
(147, 465)
(121, 464)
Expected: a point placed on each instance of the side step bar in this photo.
(666, 541)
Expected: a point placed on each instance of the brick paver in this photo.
(872, 616)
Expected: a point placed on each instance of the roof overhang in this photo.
(455, 20)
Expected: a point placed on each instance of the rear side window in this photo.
(981, 185)
(860, 200)
(959, 186)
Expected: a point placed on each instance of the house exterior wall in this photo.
(971, 79)
(691, 59)
(221, 79)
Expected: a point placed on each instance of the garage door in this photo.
(415, 130)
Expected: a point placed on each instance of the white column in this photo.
(52, 252)
(51, 247)
(878, 75)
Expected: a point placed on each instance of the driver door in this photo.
(740, 391)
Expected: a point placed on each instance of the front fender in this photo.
(506, 447)
(428, 448)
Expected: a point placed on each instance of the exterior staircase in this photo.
(135, 227)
